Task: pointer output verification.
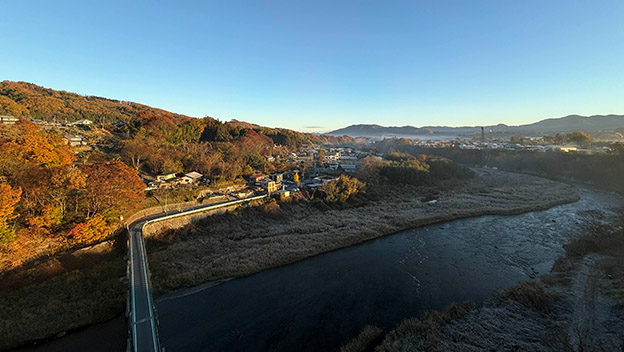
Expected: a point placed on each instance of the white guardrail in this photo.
(146, 270)
(206, 208)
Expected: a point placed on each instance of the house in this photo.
(75, 141)
(278, 178)
(165, 177)
(305, 157)
(185, 180)
(268, 185)
(332, 156)
(190, 178)
(323, 179)
(281, 194)
(351, 158)
(196, 176)
(83, 122)
(8, 120)
(348, 167)
(257, 178)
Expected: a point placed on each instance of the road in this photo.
(143, 322)
(143, 315)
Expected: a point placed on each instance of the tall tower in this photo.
(482, 134)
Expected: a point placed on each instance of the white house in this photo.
(190, 178)
(196, 176)
(8, 120)
(165, 177)
(83, 122)
(75, 141)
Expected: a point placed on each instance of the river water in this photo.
(322, 302)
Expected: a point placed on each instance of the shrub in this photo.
(364, 341)
(340, 190)
(421, 170)
(423, 333)
(531, 294)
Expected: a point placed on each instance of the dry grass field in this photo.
(249, 240)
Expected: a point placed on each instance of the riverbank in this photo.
(83, 286)
(250, 240)
(64, 302)
(576, 307)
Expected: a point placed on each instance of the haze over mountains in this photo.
(544, 127)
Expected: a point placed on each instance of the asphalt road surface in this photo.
(143, 318)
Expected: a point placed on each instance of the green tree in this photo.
(340, 190)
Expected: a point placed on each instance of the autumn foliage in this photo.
(93, 230)
(47, 194)
(8, 199)
(80, 198)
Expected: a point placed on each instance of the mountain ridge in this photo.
(567, 123)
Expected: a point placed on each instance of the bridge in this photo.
(142, 319)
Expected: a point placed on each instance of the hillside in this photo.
(56, 193)
(32, 102)
(29, 101)
(548, 126)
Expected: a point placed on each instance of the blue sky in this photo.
(321, 65)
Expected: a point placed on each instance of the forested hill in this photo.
(29, 101)
(56, 191)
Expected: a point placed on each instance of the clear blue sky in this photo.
(320, 65)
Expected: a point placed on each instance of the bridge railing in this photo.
(131, 244)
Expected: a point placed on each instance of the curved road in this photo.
(143, 315)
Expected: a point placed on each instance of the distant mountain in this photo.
(544, 127)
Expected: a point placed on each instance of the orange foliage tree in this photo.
(9, 197)
(94, 229)
(112, 187)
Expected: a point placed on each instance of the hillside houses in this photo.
(172, 180)
(82, 123)
(256, 178)
(318, 181)
(75, 140)
(8, 120)
(269, 184)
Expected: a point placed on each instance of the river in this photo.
(322, 302)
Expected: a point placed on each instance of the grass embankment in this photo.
(59, 287)
(577, 307)
(253, 239)
(61, 294)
